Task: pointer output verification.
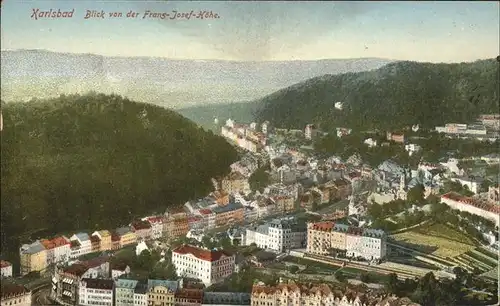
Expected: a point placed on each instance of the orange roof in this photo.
(472, 201)
(200, 253)
(205, 211)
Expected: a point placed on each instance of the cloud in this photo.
(256, 30)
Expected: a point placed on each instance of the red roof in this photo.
(200, 253)
(472, 202)
(140, 225)
(323, 226)
(156, 219)
(54, 243)
(206, 211)
(194, 219)
(4, 264)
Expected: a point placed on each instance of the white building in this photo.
(279, 235)
(412, 148)
(206, 265)
(140, 294)
(141, 246)
(471, 183)
(58, 249)
(119, 270)
(310, 131)
(370, 142)
(6, 268)
(96, 292)
(156, 226)
(124, 292)
(80, 245)
(474, 206)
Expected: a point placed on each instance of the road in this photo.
(41, 296)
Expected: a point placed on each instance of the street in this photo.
(41, 297)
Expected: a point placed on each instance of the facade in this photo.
(189, 297)
(124, 292)
(229, 214)
(6, 268)
(33, 257)
(105, 239)
(235, 182)
(142, 230)
(226, 298)
(66, 281)
(13, 294)
(156, 226)
(96, 292)
(80, 245)
(58, 249)
(284, 203)
(318, 295)
(208, 266)
(278, 235)
(161, 292)
(176, 225)
(475, 206)
(141, 294)
(118, 270)
(127, 236)
(326, 238)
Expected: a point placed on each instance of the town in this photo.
(288, 213)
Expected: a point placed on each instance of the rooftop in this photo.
(32, 248)
(96, 283)
(227, 298)
(140, 225)
(4, 264)
(126, 283)
(171, 285)
(200, 253)
(82, 236)
(228, 207)
(12, 290)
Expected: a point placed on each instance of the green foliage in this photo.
(259, 179)
(395, 96)
(98, 161)
(427, 290)
(416, 194)
(293, 269)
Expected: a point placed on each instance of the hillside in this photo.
(97, 161)
(165, 82)
(397, 95)
(204, 115)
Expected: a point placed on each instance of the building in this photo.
(209, 266)
(80, 245)
(119, 269)
(189, 297)
(58, 249)
(33, 257)
(13, 294)
(162, 292)
(156, 226)
(494, 194)
(176, 225)
(396, 137)
(6, 268)
(230, 214)
(96, 292)
(95, 244)
(292, 293)
(279, 235)
(226, 298)
(221, 197)
(141, 294)
(127, 236)
(475, 206)
(105, 239)
(342, 190)
(124, 292)
(235, 182)
(329, 238)
(284, 203)
(142, 230)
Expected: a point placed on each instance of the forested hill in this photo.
(397, 95)
(97, 161)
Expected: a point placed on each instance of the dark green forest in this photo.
(98, 161)
(395, 96)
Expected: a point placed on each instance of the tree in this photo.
(365, 277)
(392, 284)
(293, 269)
(259, 179)
(416, 194)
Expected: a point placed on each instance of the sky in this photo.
(261, 31)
